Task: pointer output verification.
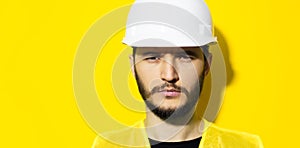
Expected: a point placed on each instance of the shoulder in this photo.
(215, 136)
(133, 136)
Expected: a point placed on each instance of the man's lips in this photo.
(170, 93)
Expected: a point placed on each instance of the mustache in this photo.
(169, 86)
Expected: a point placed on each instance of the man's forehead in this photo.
(141, 50)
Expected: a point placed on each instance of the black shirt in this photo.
(183, 144)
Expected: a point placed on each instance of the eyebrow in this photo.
(188, 52)
(150, 53)
(192, 53)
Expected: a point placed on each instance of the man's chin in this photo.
(178, 115)
(163, 114)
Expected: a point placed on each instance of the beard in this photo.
(171, 114)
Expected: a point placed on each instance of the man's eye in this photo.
(185, 58)
(152, 59)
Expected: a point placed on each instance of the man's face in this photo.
(169, 79)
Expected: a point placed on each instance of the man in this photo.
(171, 41)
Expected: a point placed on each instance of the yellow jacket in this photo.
(213, 137)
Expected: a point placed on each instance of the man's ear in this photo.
(132, 65)
(208, 63)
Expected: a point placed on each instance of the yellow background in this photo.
(39, 41)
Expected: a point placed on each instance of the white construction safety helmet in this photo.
(169, 23)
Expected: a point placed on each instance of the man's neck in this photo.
(160, 130)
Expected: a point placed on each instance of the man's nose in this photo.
(169, 72)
